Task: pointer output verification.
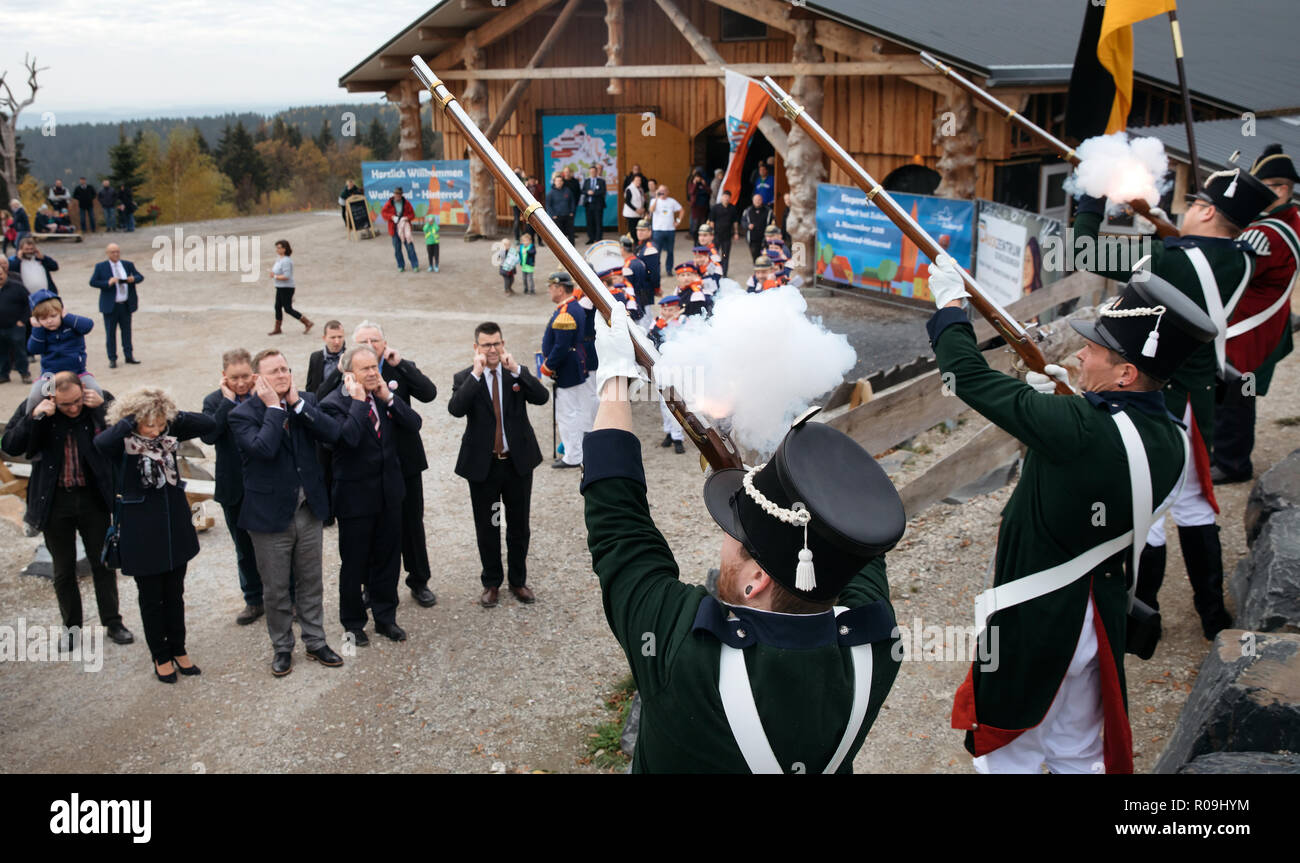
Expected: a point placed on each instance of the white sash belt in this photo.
(1038, 584)
(746, 726)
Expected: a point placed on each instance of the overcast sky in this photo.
(131, 58)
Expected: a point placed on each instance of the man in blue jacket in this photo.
(116, 280)
(566, 364)
(285, 504)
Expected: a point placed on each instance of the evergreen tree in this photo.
(240, 161)
(125, 169)
(325, 138)
(376, 138)
(294, 137)
(202, 143)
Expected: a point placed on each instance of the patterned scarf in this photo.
(157, 462)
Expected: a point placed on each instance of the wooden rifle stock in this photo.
(717, 450)
(1006, 326)
(1164, 228)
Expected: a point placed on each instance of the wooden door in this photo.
(662, 150)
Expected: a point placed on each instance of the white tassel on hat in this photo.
(805, 577)
(1152, 343)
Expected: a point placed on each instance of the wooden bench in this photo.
(76, 238)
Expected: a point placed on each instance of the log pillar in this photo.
(406, 96)
(804, 167)
(482, 186)
(614, 47)
(955, 133)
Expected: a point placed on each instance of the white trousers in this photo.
(1068, 739)
(671, 425)
(571, 420)
(1192, 508)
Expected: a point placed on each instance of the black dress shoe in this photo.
(131, 361)
(561, 464)
(112, 364)
(667, 441)
(678, 447)
(1219, 476)
(165, 678)
(120, 634)
(390, 630)
(325, 656)
(359, 637)
(192, 671)
(424, 596)
(282, 664)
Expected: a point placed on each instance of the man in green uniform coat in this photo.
(775, 677)
(1209, 265)
(1059, 596)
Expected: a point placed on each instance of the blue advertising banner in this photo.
(577, 142)
(857, 245)
(440, 187)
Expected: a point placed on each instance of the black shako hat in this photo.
(1273, 164)
(1152, 324)
(1235, 193)
(853, 511)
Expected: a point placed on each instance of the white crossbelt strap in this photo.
(1219, 313)
(746, 726)
(1038, 584)
(1289, 237)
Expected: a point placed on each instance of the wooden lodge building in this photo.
(853, 64)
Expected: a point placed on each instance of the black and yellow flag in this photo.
(1101, 84)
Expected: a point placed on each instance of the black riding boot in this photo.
(1203, 556)
(1151, 574)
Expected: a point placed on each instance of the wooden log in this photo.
(482, 186)
(406, 95)
(438, 34)
(517, 89)
(803, 159)
(497, 27)
(988, 450)
(614, 43)
(884, 68)
(957, 137)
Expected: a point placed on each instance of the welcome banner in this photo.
(440, 187)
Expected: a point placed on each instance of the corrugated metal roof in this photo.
(1217, 139)
(1240, 54)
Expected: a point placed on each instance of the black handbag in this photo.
(111, 554)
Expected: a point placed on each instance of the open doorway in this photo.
(711, 151)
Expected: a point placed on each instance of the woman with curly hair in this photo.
(157, 535)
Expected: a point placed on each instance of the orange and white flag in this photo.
(746, 102)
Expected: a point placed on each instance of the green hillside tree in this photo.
(126, 168)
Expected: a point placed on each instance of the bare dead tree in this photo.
(11, 108)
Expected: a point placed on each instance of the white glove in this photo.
(946, 283)
(614, 347)
(1046, 384)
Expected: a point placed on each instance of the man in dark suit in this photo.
(66, 497)
(321, 365)
(407, 382)
(593, 199)
(498, 453)
(284, 504)
(368, 490)
(236, 388)
(116, 280)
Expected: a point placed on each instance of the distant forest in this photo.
(81, 149)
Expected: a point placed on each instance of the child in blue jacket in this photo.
(60, 339)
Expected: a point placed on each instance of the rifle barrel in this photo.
(1164, 227)
(715, 447)
(1006, 325)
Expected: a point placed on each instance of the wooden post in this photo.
(955, 133)
(406, 95)
(482, 187)
(804, 168)
(517, 89)
(770, 128)
(614, 47)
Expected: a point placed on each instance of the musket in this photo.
(714, 446)
(1005, 325)
(1164, 228)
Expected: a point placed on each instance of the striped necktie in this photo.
(374, 415)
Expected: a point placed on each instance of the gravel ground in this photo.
(518, 687)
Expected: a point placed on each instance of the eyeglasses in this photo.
(486, 345)
(71, 404)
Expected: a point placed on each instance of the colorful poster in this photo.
(1009, 247)
(858, 245)
(441, 187)
(577, 142)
